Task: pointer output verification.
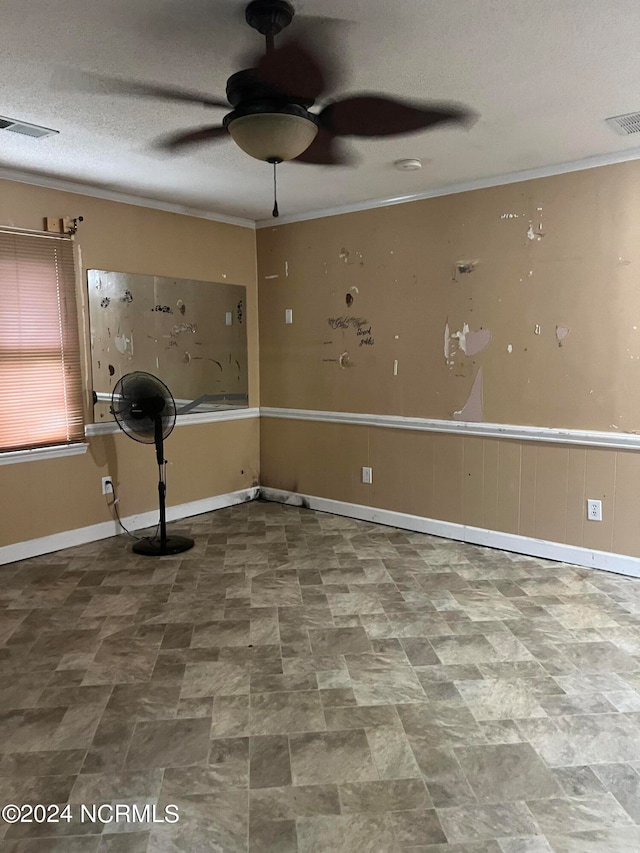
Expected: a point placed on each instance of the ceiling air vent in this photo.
(26, 129)
(626, 124)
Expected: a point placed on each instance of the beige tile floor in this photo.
(304, 683)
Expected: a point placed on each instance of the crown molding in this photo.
(65, 185)
(452, 189)
(68, 186)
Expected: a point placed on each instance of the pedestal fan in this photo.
(145, 410)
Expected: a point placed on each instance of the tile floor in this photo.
(304, 683)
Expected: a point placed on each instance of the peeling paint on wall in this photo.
(461, 268)
(473, 409)
(537, 329)
(344, 360)
(509, 348)
(123, 343)
(561, 334)
(345, 256)
(181, 328)
(535, 233)
(465, 340)
(471, 343)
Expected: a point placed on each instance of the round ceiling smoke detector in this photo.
(409, 165)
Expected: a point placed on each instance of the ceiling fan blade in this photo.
(97, 84)
(177, 141)
(326, 150)
(376, 115)
(292, 70)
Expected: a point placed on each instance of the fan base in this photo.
(173, 545)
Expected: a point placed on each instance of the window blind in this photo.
(40, 379)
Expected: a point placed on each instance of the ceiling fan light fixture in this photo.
(273, 136)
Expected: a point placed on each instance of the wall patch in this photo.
(473, 409)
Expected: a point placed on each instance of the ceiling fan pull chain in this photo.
(275, 191)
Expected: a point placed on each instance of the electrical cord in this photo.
(114, 506)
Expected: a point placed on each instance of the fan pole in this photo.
(162, 486)
(167, 544)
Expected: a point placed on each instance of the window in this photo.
(40, 379)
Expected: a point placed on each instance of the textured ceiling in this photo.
(542, 75)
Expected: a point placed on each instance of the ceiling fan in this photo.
(271, 118)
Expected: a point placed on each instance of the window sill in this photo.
(39, 453)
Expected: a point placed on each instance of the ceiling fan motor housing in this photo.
(269, 17)
(245, 86)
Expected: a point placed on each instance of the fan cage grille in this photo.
(140, 386)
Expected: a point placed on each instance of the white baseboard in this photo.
(618, 563)
(94, 532)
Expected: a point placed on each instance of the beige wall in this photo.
(526, 488)
(398, 265)
(579, 272)
(41, 498)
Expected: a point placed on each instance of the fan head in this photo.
(138, 400)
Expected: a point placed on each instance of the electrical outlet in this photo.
(367, 475)
(107, 486)
(594, 510)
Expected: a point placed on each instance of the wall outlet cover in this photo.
(594, 510)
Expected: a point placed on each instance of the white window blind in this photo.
(40, 379)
